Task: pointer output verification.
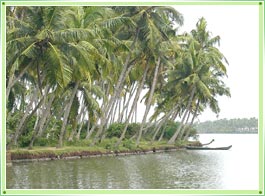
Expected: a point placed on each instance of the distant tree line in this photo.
(243, 125)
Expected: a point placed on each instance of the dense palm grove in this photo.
(78, 74)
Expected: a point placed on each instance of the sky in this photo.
(238, 28)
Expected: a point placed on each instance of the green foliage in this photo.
(12, 121)
(108, 144)
(42, 141)
(115, 130)
(170, 129)
(129, 144)
(24, 141)
(27, 133)
(45, 141)
(132, 129)
(82, 143)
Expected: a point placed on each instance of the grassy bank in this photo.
(105, 148)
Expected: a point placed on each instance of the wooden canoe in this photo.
(207, 148)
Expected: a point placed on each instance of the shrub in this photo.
(24, 141)
(78, 143)
(109, 143)
(170, 129)
(128, 144)
(132, 129)
(41, 141)
(115, 130)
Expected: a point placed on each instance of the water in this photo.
(236, 168)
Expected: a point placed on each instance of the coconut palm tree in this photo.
(201, 60)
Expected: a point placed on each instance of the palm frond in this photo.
(63, 71)
(117, 21)
(73, 35)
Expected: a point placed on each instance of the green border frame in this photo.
(260, 191)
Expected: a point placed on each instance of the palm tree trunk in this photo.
(80, 124)
(173, 138)
(109, 108)
(117, 106)
(18, 129)
(23, 122)
(89, 133)
(124, 112)
(135, 113)
(42, 121)
(174, 115)
(184, 127)
(74, 131)
(125, 71)
(148, 105)
(136, 98)
(12, 80)
(162, 122)
(162, 135)
(192, 120)
(66, 115)
(158, 129)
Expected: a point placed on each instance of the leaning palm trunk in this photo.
(74, 129)
(66, 115)
(161, 136)
(162, 122)
(125, 71)
(117, 106)
(12, 80)
(104, 107)
(163, 132)
(23, 122)
(148, 105)
(192, 120)
(18, 129)
(184, 127)
(90, 131)
(80, 126)
(173, 138)
(136, 98)
(173, 117)
(110, 107)
(42, 121)
(124, 112)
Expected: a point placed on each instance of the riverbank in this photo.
(75, 152)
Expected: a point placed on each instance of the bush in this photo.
(132, 129)
(109, 143)
(24, 140)
(41, 141)
(128, 144)
(115, 130)
(171, 127)
(78, 143)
